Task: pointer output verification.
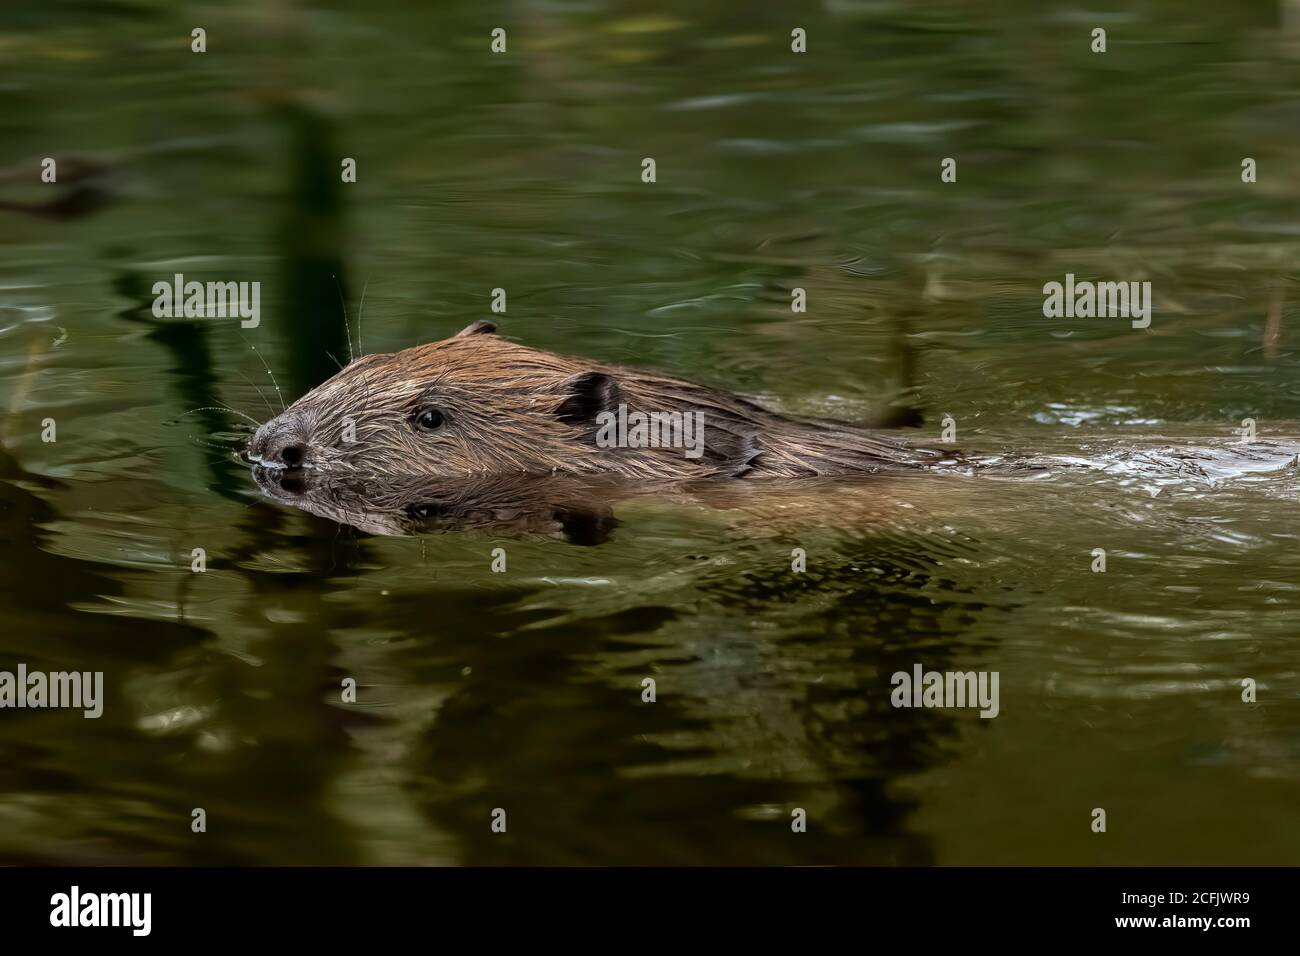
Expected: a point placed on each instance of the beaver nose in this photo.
(277, 446)
(289, 454)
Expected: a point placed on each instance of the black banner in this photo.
(925, 905)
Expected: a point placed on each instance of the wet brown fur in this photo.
(510, 409)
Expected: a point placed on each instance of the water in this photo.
(522, 690)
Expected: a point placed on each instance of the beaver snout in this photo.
(279, 443)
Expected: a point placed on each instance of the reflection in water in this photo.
(310, 239)
(551, 725)
(581, 509)
(578, 509)
(193, 371)
(83, 187)
(64, 777)
(561, 735)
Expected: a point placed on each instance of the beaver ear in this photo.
(589, 394)
(481, 327)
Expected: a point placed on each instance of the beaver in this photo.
(477, 404)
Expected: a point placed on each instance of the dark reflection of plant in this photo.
(589, 774)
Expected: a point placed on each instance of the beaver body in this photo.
(478, 405)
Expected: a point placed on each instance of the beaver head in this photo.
(477, 404)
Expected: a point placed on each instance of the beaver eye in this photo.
(428, 420)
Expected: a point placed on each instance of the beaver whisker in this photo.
(360, 309)
(347, 328)
(218, 408)
(203, 441)
(260, 394)
(268, 370)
